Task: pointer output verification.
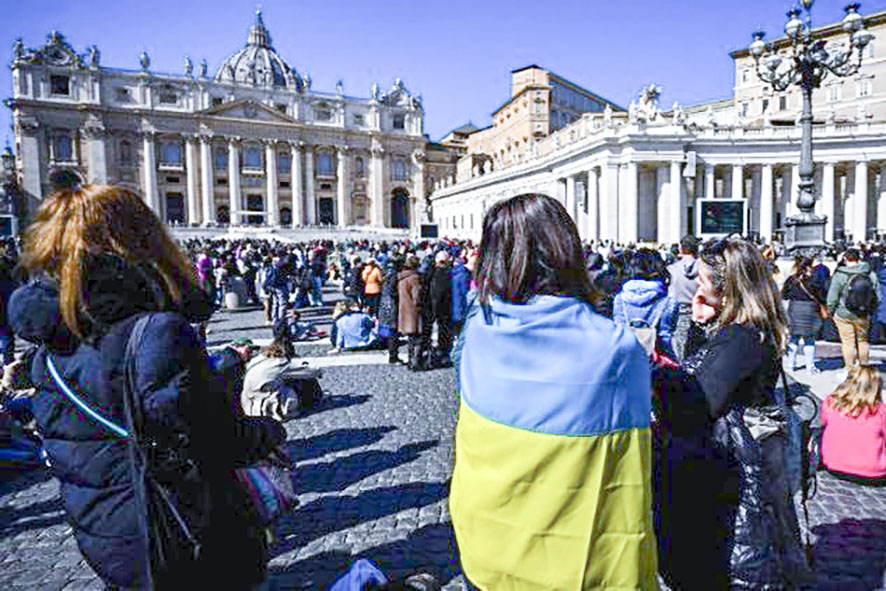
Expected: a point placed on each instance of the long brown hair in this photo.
(748, 294)
(860, 391)
(81, 221)
(530, 246)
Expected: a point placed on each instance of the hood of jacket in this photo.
(113, 290)
(641, 292)
(689, 266)
(862, 267)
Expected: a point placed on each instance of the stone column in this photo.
(860, 221)
(628, 205)
(766, 203)
(709, 181)
(881, 200)
(235, 197)
(569, 201)
(193, 180)
(97, 154)
(663, 206)
(593, 232)
(609, 214)
(737, 181)
(272, 215)
(788, 190)
(310, 201)
(298, 196)
(342, 185)
(149, 173)
(677, 225)
(376, 185)
(828, 198)
(418, 189)
(207, 180)
(32, 154)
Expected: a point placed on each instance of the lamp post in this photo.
(807, 64)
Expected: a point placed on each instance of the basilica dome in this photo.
(258, 64)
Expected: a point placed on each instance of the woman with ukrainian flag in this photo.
(551, 487)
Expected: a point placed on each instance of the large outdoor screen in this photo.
(722, 216)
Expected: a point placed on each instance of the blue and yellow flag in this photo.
(551, 487)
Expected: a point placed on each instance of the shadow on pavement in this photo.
(14, 520)
(850, 554)
(337, 513)
(342, 472)
(335, 441)
(334, 402)
(431, 549)
(15, 479)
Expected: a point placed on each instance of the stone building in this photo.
(252, 144)
(648, 174)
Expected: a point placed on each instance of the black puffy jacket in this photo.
(179, 395)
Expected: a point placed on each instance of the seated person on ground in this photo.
(853, 442)
(270, 386)
(352, 328)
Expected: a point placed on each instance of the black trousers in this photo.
(444, 334)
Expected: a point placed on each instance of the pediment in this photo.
(249, 110)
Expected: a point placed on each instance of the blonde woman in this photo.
(101, 261)
(711, 465)
(853, 443)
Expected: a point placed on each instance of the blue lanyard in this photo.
(67, 391)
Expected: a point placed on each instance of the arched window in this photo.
(400, 172)
(64, 148)
(325, 164)
(223, 214)
(285, 216)
(171, 153)
(252, 158)
(359, 167)
(126, 158)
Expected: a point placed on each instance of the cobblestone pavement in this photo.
(373, 467)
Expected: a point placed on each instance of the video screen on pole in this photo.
(719, 216)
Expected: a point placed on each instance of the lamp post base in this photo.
(804, 234)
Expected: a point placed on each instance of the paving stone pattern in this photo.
(374, 461)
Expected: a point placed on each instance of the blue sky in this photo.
(456, 53)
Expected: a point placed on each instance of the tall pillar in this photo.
(193, 180)
(789, 189)
(663, 211)
(569, 202)
(766, 203)
(207, 180)
(342, 184)
(298, 196)
(149, 173)
(272, 215)
(609, 214)
(418, 189)
(860, 226)
(235, 197)
(737, 182)
(628, 201)
(709, 181)
(678, 226)
(97, 154)
(376, 185)
(310, 201)
(881, 200)
(593, 232)
(828, 200)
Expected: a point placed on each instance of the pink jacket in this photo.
(855, 446)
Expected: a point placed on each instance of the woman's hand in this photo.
(702, 312)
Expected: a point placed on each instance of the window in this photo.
(765, 106)
(122, 95)
(64, 148)
(835, 92)
(284, 184)
(359, 120)
(174, 180)
(217, 101)
(168, 96)
(171, 153)
(782, 103)
(222, 181)
(743, 110)
(60, 85)
(126, 157)
(325, 165)
(400, 169)
(868, 51)
(280, 107)
(745, 76)
(864, 87)
(399, 121)
(284, 162)
(359, 168)
(322, 112)
(221, 158)
(252, 158)
(285, 216)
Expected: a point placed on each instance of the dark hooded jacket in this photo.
(181, 400)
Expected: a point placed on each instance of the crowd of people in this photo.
(619, 416)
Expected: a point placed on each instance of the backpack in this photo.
(646, 333)
(861, 297)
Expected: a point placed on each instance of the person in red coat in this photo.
(853, 442)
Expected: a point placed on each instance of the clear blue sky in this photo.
(456, 53)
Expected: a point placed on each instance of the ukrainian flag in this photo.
(551, 487)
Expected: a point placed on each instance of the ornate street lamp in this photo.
(807, 64)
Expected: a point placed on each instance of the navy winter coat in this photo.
(179, 396)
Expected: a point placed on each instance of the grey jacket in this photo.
(684, 279)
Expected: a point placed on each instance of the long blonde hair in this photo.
(748, 294)
(80, 221)
(860, 391)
